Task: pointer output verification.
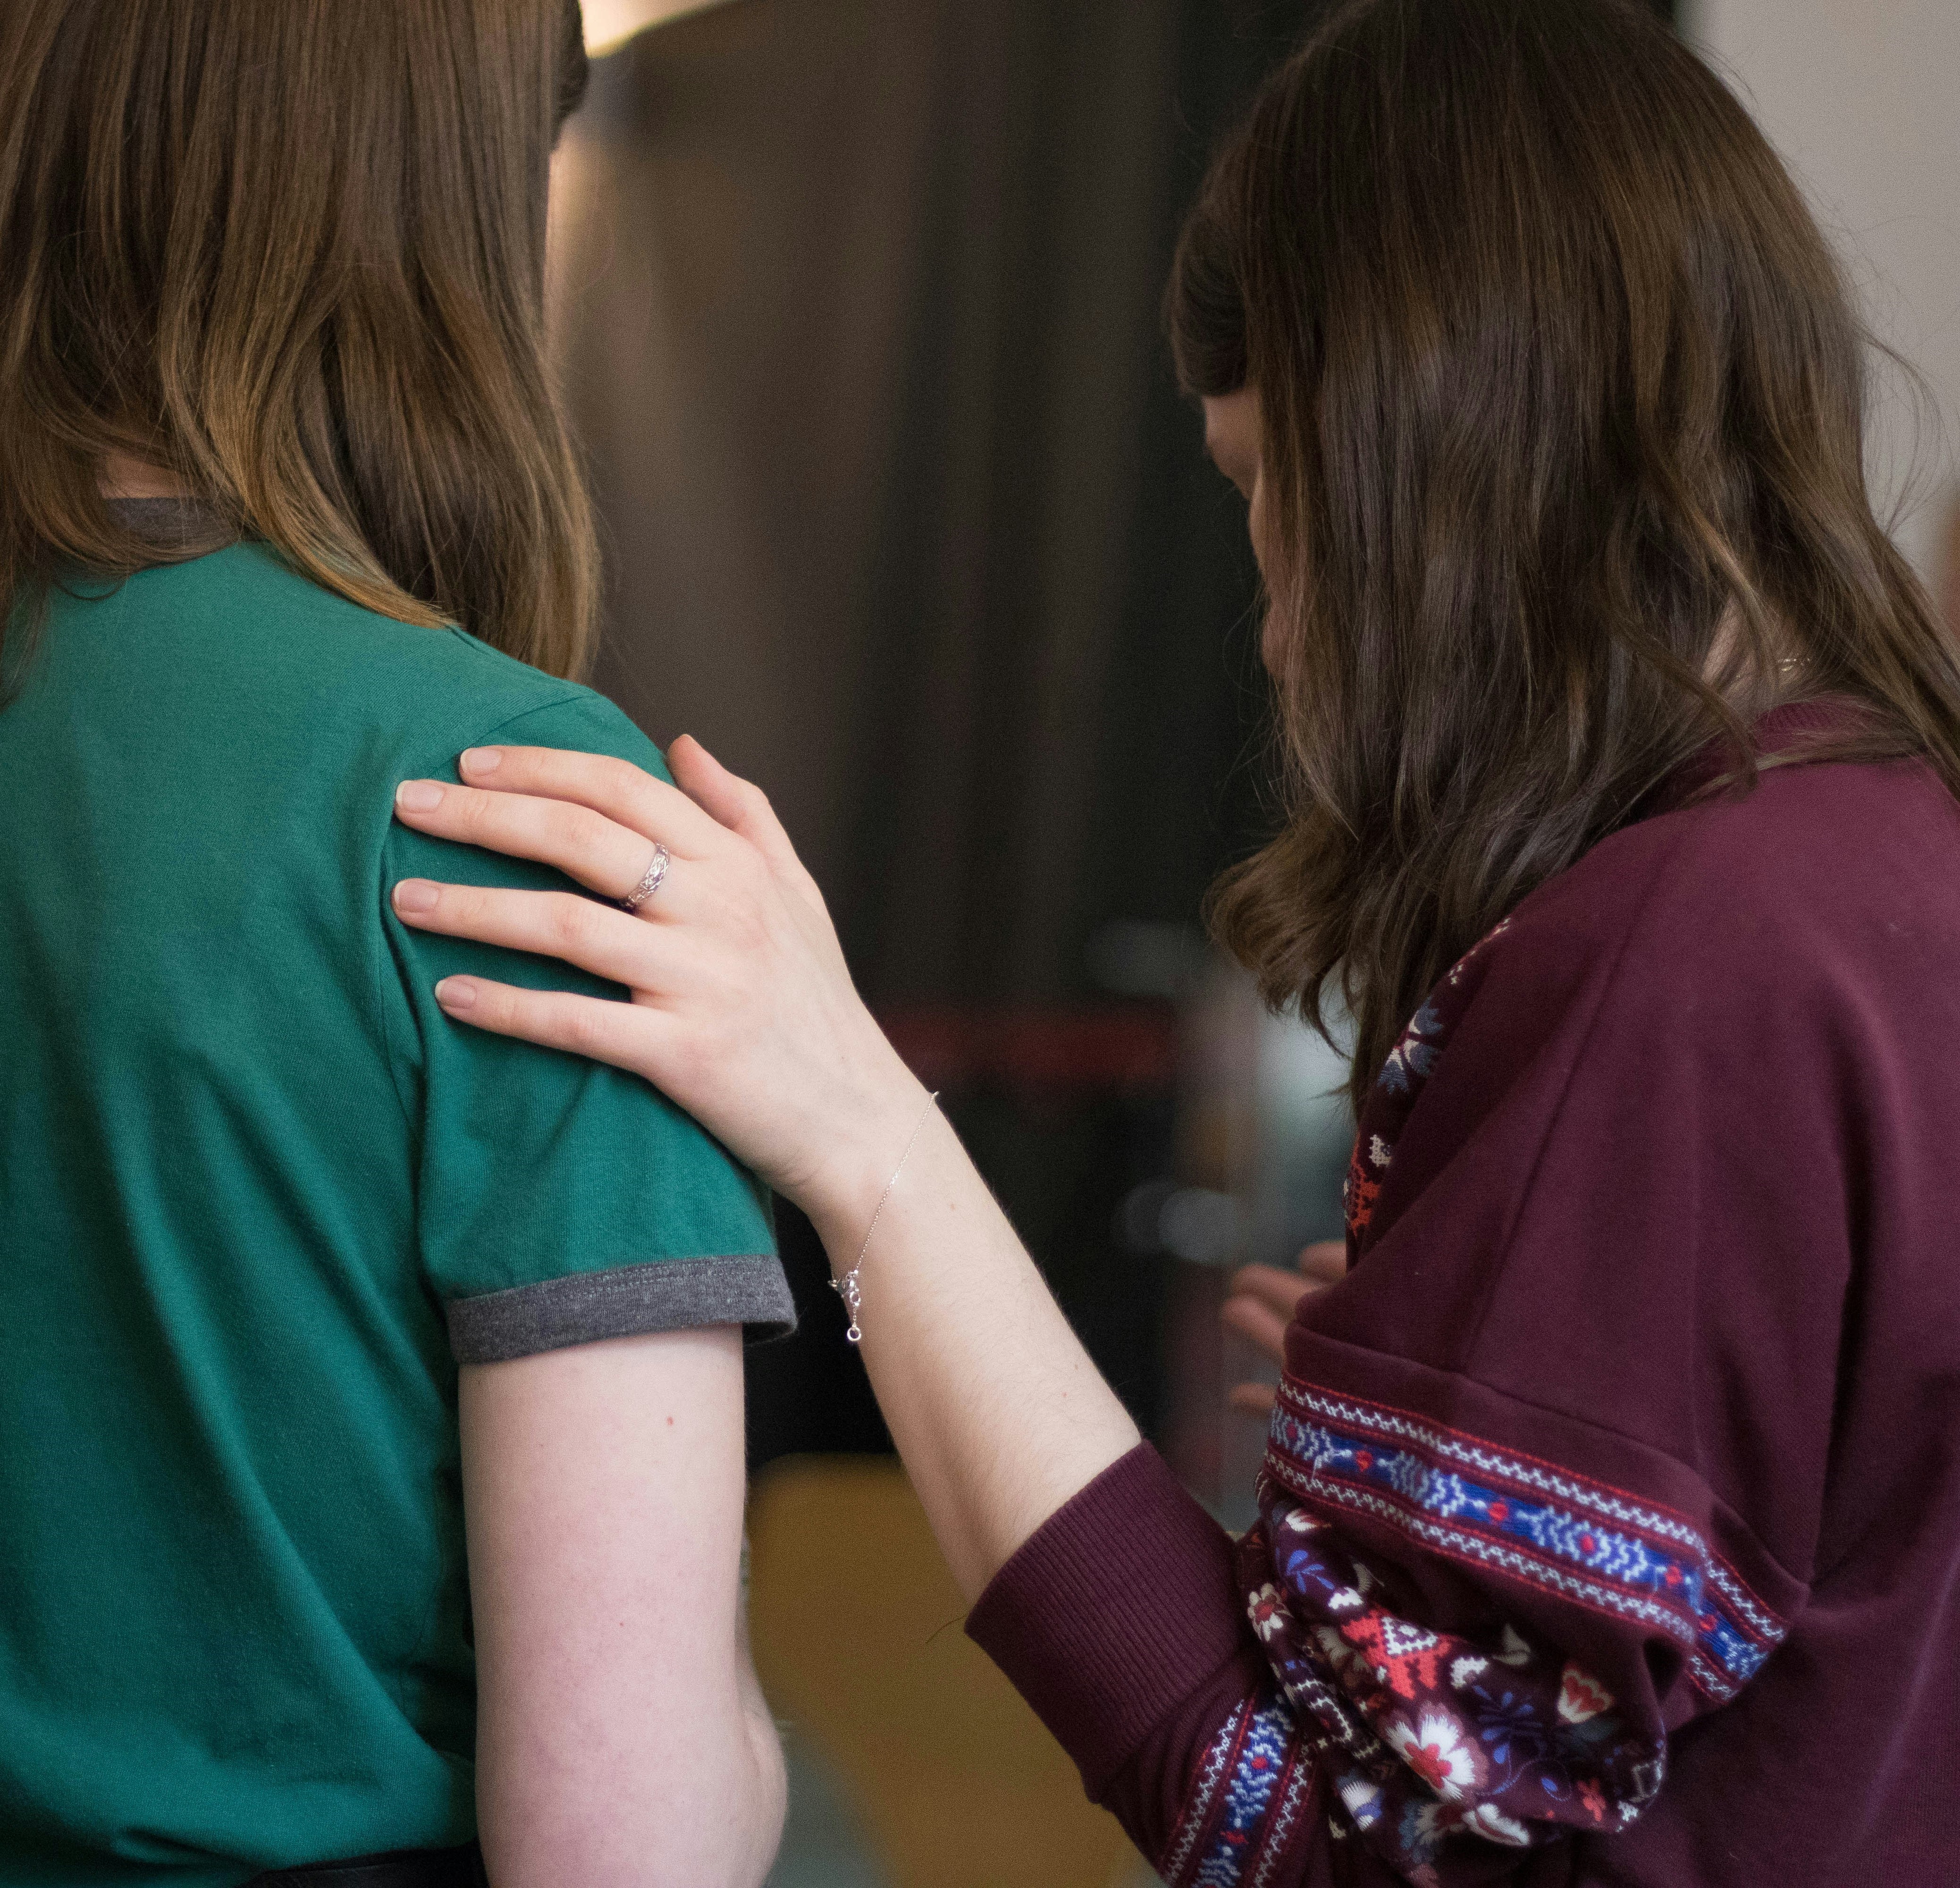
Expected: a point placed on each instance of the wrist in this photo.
(863, 1155)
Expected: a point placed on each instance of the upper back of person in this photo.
(251, 1182)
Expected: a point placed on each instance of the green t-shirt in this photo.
(257, 1194)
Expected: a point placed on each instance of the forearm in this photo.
(1122, 1621)
(997, 1411)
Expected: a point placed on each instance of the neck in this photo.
(123, 477)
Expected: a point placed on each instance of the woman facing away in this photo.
(371, 1423)
(1610, 1526)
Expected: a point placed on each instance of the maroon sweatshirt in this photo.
(1610, 1521)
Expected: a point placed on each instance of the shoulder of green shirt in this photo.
(563, 1202)
(558, 1200)
(568, 715)
(698, 1245)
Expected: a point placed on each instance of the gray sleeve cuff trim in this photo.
(672, 1294)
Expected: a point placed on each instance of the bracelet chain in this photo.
(847, 1287)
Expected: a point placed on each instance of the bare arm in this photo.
(996, 1407)
(621, 1739)
(743, 1012)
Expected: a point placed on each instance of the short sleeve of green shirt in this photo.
(559, 1200)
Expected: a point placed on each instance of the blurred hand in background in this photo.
(1264, 1299)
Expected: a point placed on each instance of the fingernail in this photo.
(416, 895)
(482, 760)
(456, 993)
(419, 796)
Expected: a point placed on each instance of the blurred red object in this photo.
(1121, 1049)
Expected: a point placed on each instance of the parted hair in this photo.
(1564, 399)
(293, 253)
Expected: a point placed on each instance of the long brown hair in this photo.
(1564, 400)
(293, 255)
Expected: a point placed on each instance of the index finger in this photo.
(627, 794)
(1281, 1291)
(1257, 1321)
(1326, 1259)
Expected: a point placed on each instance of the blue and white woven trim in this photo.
(1589, 1542)
(1246, 1804)
(1196, 1816)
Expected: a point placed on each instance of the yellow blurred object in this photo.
(610, 23)
(858, 1638)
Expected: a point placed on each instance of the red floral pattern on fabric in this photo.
(1493, 1511)
(1431, 1739)
(1436, 1747)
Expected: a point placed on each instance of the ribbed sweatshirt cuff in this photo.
(1120, 1606)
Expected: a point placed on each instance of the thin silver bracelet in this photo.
(847, 1287)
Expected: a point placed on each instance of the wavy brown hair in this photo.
(292, 253)
(1563, 398)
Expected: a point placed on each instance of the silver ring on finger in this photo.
(651, 883)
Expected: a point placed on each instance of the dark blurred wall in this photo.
(858, 307)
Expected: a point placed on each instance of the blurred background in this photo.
(856, 305)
